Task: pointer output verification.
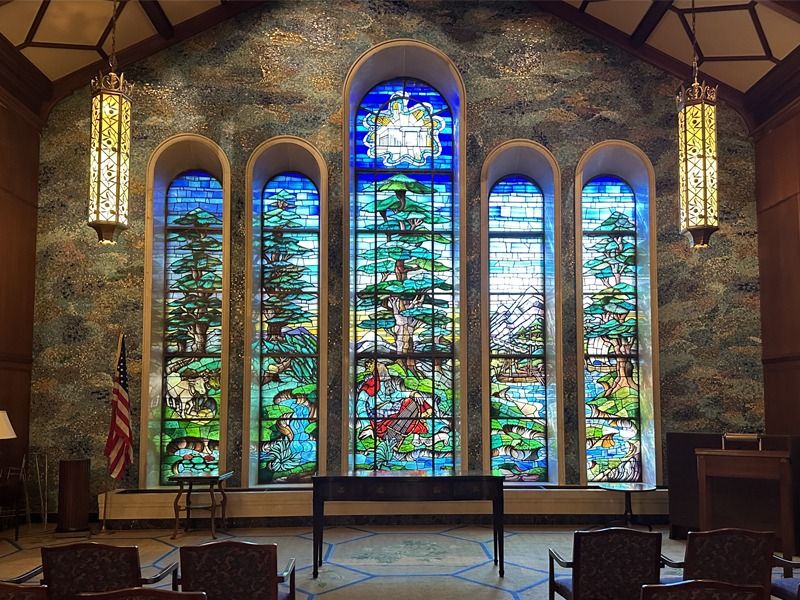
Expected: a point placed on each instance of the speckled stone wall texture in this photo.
(280, 69)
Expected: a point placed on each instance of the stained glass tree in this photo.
(613, 432)
(518, 386)
(192, 327)
(288, 329)
(403, 401)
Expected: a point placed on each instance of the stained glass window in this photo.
(518, 394)
(610, 322)
(192, 327)
(287, 331)
(404, 303)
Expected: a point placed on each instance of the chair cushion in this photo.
(786, 588)
(563, 585)
(665, 579)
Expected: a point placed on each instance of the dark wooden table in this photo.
(407, 488)
(214, 484)
(628, 518)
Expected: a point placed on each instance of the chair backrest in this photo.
(139, 593)
(12, 591)
(702, 589)
(228, 570)
(736, 556)
(89, 567)
(614, 563)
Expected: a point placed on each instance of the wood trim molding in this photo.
(779, 88)
(158, 18)
(20, 78)
(649, 22)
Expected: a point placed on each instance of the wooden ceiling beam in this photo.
(788, 8)
(20, 77)
(158, 18)
(733, 97)
(69, 83)
(650, 21)
(776, 90)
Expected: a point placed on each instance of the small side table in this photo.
(215, 485)
(629, 488)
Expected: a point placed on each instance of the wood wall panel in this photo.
(19, 149)
(782, 411)
(19, 171)
(778, 204)
(779, 270)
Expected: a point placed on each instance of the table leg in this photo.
(628, 510)
(498, 519)
(176, 505)
(224, 505)
(188, 525)
(213, 510)
(318, 519)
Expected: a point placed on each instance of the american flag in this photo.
(119, 446)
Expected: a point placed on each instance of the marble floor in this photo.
(363, 563)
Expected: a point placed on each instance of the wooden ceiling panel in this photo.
(179, 11)
(727, 33)
(16, 19)
(74, 22)
(783, 34)
(670, 37)
(133, 26)
(741, 74)
(687, 4)
(625, 20)
(57, 62)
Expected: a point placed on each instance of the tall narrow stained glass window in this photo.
(611, 323)
(403, 264)
(192, 332)
(518, 395)
(287, 332)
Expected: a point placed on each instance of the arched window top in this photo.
(290, 201)
(516, 203)
(195, 198)
(403, 123)
(609, 205)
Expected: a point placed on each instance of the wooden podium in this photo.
(751, 489)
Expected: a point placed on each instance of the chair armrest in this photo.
(779, 561)
(667, 562)
(567, 564)
(169, 569)
(25, 576)
(288, 572)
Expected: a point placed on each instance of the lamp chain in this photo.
(113, 58)
(694, 43)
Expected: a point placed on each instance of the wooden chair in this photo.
(14, 591)
(140, 593)
(90, 567)
(607, 563)
(240, 570)
(785, 588)
(737, 556)
(702, 589)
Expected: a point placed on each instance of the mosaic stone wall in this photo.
(279, 69)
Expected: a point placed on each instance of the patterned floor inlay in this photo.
(362, 563)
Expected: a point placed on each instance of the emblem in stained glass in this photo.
(192, 327)
(403, 399)
(518, 394)
(287, 332)
(611, 372)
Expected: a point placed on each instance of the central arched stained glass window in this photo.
(404, 303)
(518, 396)
(611, 331)
(288, 329)
(192, 327)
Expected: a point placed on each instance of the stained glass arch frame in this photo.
(625, 161)
(534, 162)
(411, 59)
(273, 157)
(177, 154)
